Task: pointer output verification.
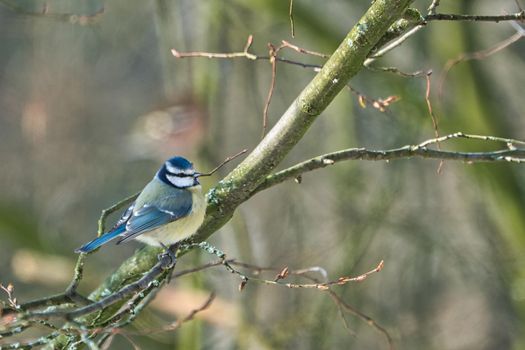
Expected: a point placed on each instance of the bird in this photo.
(169, 209)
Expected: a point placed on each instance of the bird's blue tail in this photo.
(97, 242)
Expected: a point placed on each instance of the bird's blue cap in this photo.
(180, 163)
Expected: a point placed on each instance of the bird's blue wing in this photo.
(117, 230)
(136, 221)
(152, 216)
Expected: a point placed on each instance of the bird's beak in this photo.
(196, 179)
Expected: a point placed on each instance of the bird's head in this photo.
(178, 172)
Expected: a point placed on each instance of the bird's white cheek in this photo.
(180, 181)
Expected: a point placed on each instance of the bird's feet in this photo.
(168, 259)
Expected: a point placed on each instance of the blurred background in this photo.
(90, 109)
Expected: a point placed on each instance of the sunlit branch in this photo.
(433, 6)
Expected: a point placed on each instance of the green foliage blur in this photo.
(88, 111)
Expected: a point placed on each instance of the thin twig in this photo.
(285, 43)
(259, 269)
(290, 14)
(272, 52)
(272, 57)
(175, 325)
(510, 154)
(395, 70)
(479, 55)
(224, 162)
(380, 104)
(244, 53)
(519, 16)
(430, 110)
(200, 268)
(393, 44)
(370, 321)
(342, 305)
(432, 117)
(322, 286)
(106, 212)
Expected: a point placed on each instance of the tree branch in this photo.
(345, 62)
(510, 154)
(519, 16)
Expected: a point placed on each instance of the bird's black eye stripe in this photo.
(177, 174)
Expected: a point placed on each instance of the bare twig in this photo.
(285, 43)
(200, 268)
(480, 55)
(430, 110)
(519, 16)
(258, 269)
(322, 286)
(379, 103)
(395, 70)
(432, 117)
(290, 14)
(272, 53)
(175, 325)
(224, 162)
(509, 154)
(393, 44)
(370, 321)
(272, 57)
(342, 305)
(117, 206)
(243, 54)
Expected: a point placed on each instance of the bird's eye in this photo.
(181, 174)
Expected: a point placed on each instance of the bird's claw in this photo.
(168, 259)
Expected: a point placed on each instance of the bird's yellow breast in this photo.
(181, 228)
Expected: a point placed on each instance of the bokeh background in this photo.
(88, 112)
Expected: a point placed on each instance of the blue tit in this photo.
(169, 209)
